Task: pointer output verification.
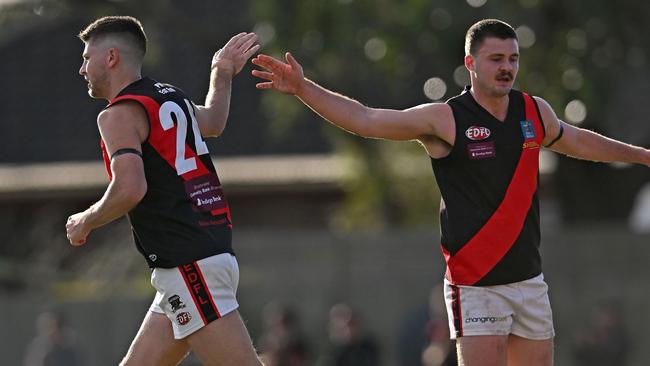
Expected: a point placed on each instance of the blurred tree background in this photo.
(588, 59)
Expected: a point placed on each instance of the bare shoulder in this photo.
(125, 116)
(545, 109)
(440, 119)
(433, 108)
(123, 112)
(549, 119)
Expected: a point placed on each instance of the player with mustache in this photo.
(484, 146)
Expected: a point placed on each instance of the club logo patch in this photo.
(528, 129)
(176, 303)
(183, 318)
(475, 133)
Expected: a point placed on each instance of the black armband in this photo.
(125, 151)
(559, 136)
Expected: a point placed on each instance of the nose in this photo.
(82, 69)
(506, 66)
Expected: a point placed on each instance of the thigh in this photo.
(224, 342)
(533, 318)
(529, 352)
(155, 344)
(482, 350)
(195, 294)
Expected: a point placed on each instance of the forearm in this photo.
(339, 110)
(217, 101)
(115, 203)
(595, 147)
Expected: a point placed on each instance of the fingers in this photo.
(241, 41)
(266, 62)
(235, 39)
(247, 41)
(74, 233)
(292, 61)
(77, 243)
(262, 74)
(251, 51)
(75, 240)
(265, 85)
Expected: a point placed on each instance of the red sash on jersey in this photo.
(164, 147)
(491, 243)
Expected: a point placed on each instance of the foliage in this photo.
(382, 52)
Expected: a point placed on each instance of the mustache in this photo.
(505, 75)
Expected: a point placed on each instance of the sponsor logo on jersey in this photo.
(207, 201)
(481, 150)
(183, 318)
(527, 129)
(530, 145)
(153, 257)
(476, 133)
(176, 303)
(162, 89)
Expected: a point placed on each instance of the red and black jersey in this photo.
(489, 214)
(184, 215)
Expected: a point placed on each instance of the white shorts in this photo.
(520, 308)
(194, 294)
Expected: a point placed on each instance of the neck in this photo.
(496, 105)
(120, 82)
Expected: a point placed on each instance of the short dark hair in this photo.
(125, 26)
(484, 29)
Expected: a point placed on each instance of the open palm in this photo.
(283, 77)
(233, 56)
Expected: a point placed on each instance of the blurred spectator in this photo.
(54, 344)
(412, 337)
(639, 220)
(424, 336)
(605, 341)
(441, 350)
(283, 342)
(350, 343)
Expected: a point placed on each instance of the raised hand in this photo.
(233, 56)
(287, 77)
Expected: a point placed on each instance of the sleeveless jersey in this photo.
(489, 214)
(184, 215)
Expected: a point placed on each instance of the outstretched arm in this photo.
(585, 144)
(226, 63)
(123, 126)
(350, 115)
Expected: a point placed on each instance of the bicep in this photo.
(560, 137)
(411, 124)
(120, 128)
(569, 142)
(123, 126)
(551, 123)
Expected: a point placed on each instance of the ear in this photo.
(113, 57)
(469, 62)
